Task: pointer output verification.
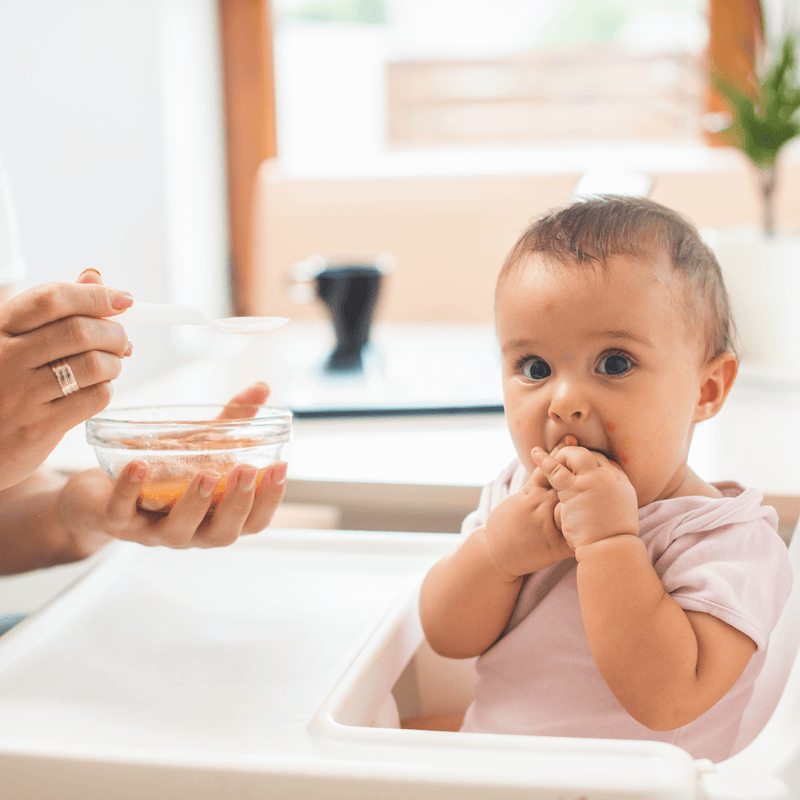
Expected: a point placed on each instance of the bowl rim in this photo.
(111, 415)
(101, 431)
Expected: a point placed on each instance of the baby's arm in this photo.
(466, 601)
(665, 666)
(467, 597)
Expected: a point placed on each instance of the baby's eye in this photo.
(614, 364)
(534, 369)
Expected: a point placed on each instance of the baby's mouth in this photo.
(585, 446)
(596, 450)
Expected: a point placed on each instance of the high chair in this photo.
(279, 668)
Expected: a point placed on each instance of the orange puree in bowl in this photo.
(161, 494)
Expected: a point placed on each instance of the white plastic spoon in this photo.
(176, 314)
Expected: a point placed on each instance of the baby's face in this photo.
(609, 358)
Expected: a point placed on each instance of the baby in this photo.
(609, 590)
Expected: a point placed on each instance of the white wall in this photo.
(110, 125)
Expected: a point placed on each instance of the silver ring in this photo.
(64, 376)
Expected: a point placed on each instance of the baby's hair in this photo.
(587, 232)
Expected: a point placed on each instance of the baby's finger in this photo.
(581, 460)
(567, 441)
(558, 475)
(537, 476)
(268, 497)
(53, 301)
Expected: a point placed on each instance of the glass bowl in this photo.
(177, 442)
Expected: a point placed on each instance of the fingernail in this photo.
(90, 269)
(247, 479)
(208, 484)
(137, 472)
(129, 351)
(278, 473)
(121, 300)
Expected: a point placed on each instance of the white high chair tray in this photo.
(254, 671)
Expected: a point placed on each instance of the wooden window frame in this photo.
(250, 134)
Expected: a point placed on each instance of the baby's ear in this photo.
(716, 377)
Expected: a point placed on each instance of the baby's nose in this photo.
(569, 402)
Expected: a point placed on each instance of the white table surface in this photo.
(254, 671)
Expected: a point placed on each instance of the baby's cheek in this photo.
(523, 449)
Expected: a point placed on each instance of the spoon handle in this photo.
(162, 314)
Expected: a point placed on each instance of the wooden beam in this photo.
(249, 103)
(736, 35)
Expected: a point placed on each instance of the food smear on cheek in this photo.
(624, 457)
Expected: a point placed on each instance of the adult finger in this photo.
(90, 275)
(88, 369)
(179, 527)
(120, 513)
(269, 494)
(53, 301)
(69, 337)
(243, 405)
(229, 517)
(65, 413)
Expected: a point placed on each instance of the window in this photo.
(362, 78)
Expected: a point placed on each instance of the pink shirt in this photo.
(722, 557)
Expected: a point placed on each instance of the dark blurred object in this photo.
(350, 289)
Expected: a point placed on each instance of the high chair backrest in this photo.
(783, 646)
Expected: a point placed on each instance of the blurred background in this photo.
(194, 150)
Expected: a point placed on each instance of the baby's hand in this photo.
(596, 499)
(521, 533)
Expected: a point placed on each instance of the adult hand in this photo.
(53, 322)
(522, 533)
(92, 507)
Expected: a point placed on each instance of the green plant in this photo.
(764, 118)
(354, 12)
